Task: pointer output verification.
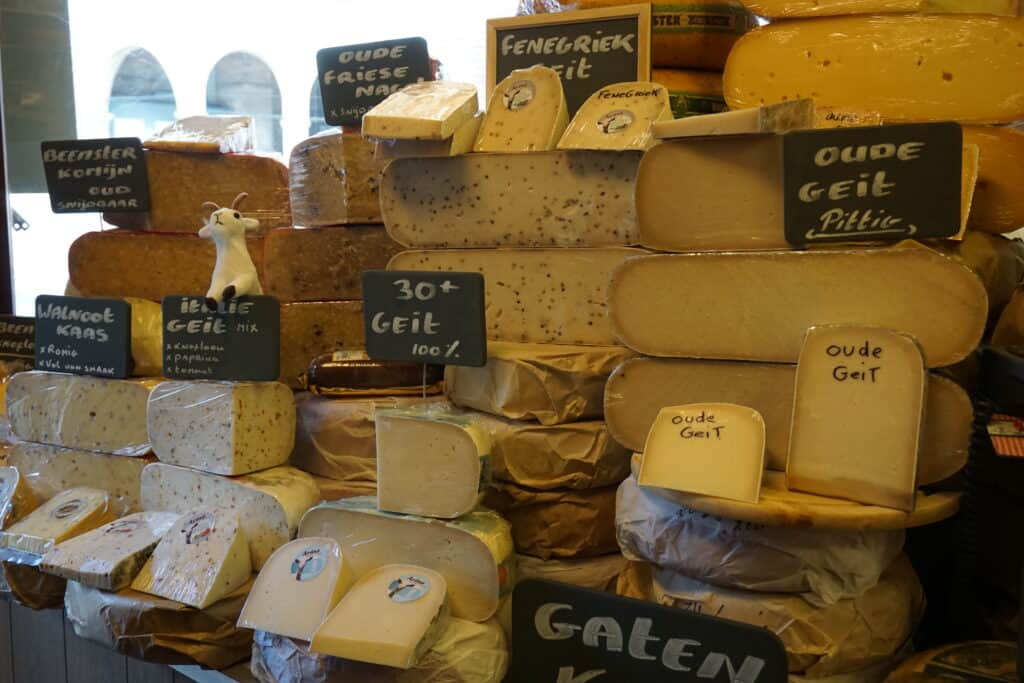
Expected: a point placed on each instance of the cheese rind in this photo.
(997, 206)
(147, 338)
(109, 557)
(269, 503)
(310, 329)
(903, 68)
(691, 93)
(785, 9)
(67, 514)
(757, 305)
(333, 180)
(206, 135)
(526, 112)
(16, 498)
(77, 411)
(547, 296)
(222, 427)
(576, 198)
(430, 110)
(618, 116)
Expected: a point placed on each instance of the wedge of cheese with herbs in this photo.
(430, 110)
(527, 112)
(786, 9)
(64, 516)
(460, 142)
(206, 135)
(16, 498)
(618, 116)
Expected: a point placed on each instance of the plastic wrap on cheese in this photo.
(597, 573)
(333, 180)
(16, 498)
(206, 135)
(66, 515)
(824, 566)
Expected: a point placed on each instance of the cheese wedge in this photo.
(774, 118)
(297, 588)
(67, 514)
(461, 142)
(206, 135)
(903, 68)
(203, 558)
(691, 93)
(578, 199)
(547, 296)
(333, 180)
(526, 113)
(16, 498)
(110, 556)
(785, 9)
(757, 305)
(618, 116)
(998, 205)
(431, 110)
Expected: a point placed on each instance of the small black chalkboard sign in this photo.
(877, 183)
(240, 341)
(17, 337)
(566, 634)
(425, 317)
(107, 174)
(84, 336)
(356, 78)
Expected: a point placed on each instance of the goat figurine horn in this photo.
(238, 200)
(210, 205)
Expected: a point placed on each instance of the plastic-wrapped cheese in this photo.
(597, 573)
(333, 180)
(997, 206)
(691, 93)
(222, 427)
(618, 116)
(527, 112)
(76, 411)
(785, 9)
(64, 516)
(269, 503)
(203, 558)
(313, 328)
(206, 135)
(473, 553)
(110, 556)
(16, 498)
(429, 110)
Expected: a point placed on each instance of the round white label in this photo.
(615, 121)
(199, 528)
(123, 526)
(309, 564)
(69, 508)
(519, 95)
(408, 588)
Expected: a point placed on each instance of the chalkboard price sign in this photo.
(239, 341)
(425, 317)
(562, 633)
(588, 48)
(83, 336)
(356, 78)
(877, 183)
(17, 337)
(84, 176)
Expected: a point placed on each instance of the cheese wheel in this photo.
(691, 93)
(998, 204)
(785, 9)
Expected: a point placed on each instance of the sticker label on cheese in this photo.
(518, 95)
(525, 113)
(199, 528)
(309, 563)
(409, 588)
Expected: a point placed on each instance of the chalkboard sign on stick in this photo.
(425, 317)
(239, 341)
(356, 78)
(17, 337)
(107, 174)
(588, 48)
(83, 336)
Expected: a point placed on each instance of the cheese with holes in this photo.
(322, 264)
(430, 110)
(641, 387)
(576, 199)
(313, 328)
(206, 135)
(527, 112)
(691, 93)
(618, 116)
(998, 205)
(473, 553)
(333, 180)
(68, 514)
(109, 557)
(784, 9)
(203, 558)
(222, 427)
(297, 588)
(430, 462)
(757, 305)
(269, 503)
(175, 263)
(548, 383)
(16, 498)
(461, 142)
(545, 296)
(903, 68)
(76, 411)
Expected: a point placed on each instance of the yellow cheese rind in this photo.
(527, 112)
(618, 116)
(691, 93)
(429, 110)
(902, 67)
(998, 204)
(787, 9)
(67, 514)
(16, 498)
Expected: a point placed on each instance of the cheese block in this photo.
(49, 470)
(391, 616)
(297, 588)
(784, 9)
(691, 93)
(16, 498)
(968, 71)
(773, 118)
(526, 112)
(997, 206)
(76, 411)
(313, 328)
(222, 427)
(179, 183)
(68, 514)
(318, 264)
(110, 556)
(824, 566)
(557, 524)
(430, 462)
(203, 558)
(1009, 331)
(473, 553)
(618, 116)
(551, 384)
(546, 296)
(980, 660)
(641, 387)
(269, 503)
(206, 135)
(461, 142)
(333, 180)
(175, 263)
(577, 199)
(757, 305)
(430, 110)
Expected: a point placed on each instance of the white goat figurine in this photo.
(234, 274)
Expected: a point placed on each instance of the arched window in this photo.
(316, 110)
(241, 83)
(141, 98)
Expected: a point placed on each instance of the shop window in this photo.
(242, 83)
(316, 110)
(141, 98)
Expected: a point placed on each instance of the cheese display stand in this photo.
(715, 350)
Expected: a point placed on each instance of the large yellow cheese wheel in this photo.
(691, 92)
(784, 9)
(965, 68)
(998, 204)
